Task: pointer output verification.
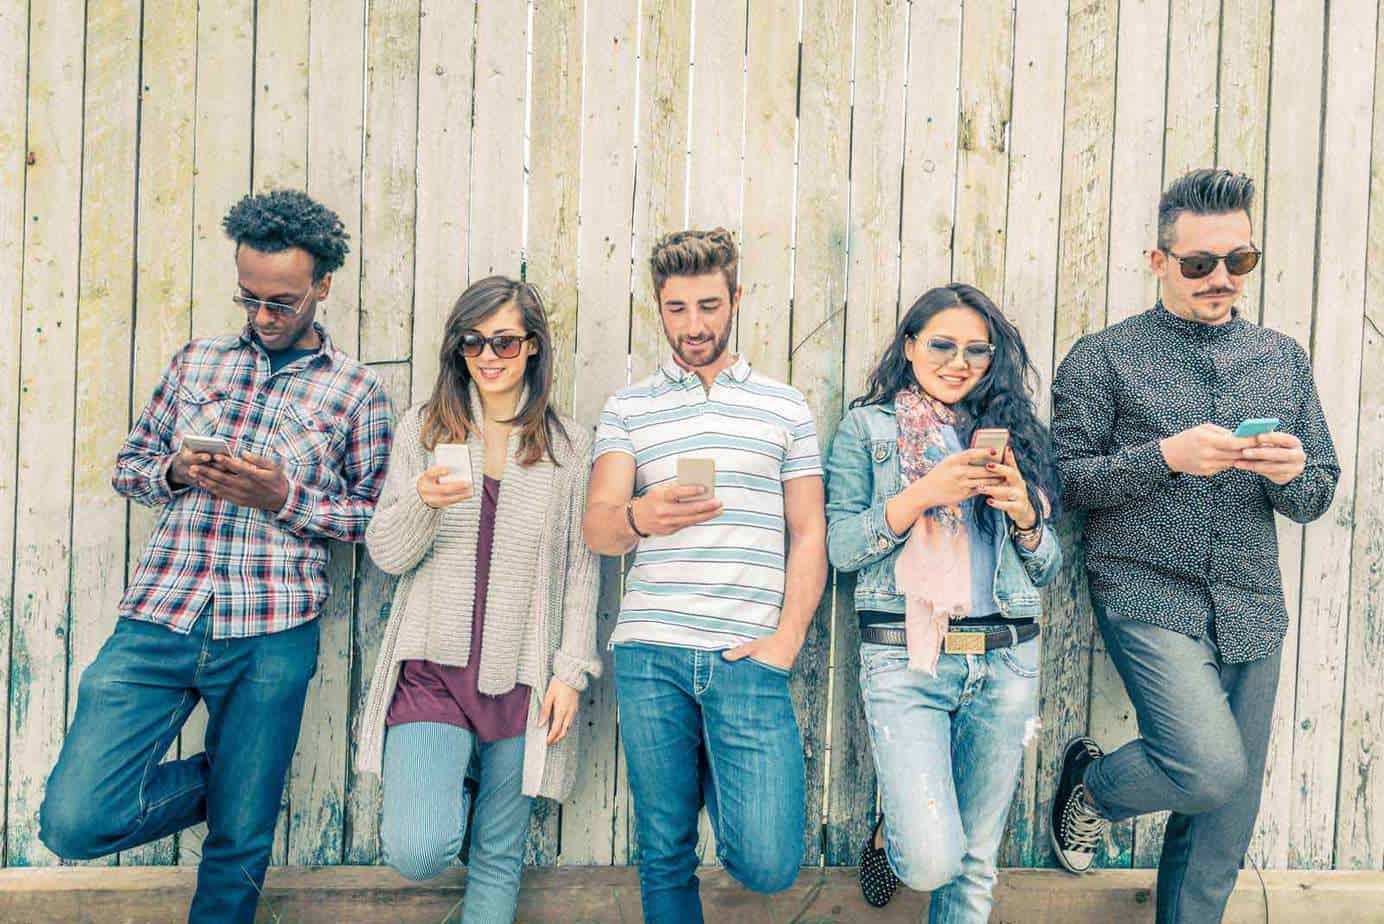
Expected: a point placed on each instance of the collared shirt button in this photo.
(881, 452)
(882, 544)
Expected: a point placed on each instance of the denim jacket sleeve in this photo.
(1043, 563)
(857, 532)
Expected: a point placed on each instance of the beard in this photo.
(718, 347)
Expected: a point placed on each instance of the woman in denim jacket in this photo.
(951, 545)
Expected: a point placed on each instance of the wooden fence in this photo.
(863, 150)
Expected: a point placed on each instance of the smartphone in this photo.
(699, 472)
(456, 457)
(212, 445)
(1257, 425)
(996, 438)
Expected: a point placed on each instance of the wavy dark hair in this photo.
(447, 415)
(1002, 398)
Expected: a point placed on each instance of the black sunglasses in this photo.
(1199, 265)
(505, 346)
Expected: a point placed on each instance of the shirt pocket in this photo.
(303, 442)
(884, 468)
(200, 410)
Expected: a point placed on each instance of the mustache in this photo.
(1217, 291)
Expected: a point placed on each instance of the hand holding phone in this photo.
(695, 472)
(456, 458)
(992, 438)
(1257, 426)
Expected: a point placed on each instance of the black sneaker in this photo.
(1076, 830)
(877, 881)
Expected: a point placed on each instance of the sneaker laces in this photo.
(1082, 828)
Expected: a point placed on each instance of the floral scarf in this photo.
(933, 570)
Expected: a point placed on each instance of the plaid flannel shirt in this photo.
(324, 417)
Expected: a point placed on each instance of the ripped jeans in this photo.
(947, 752)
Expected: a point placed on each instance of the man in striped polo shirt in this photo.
(714, 610)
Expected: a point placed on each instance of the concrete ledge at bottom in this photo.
(596, 895)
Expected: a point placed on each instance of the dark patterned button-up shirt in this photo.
(324, 417)
(1183, 552)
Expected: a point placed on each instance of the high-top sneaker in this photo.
(1075, 828)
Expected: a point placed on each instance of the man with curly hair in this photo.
(223, 605)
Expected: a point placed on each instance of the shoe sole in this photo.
(1052, 823)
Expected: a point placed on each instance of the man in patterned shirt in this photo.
(1182, 551)
(223, 605)
(714, 610)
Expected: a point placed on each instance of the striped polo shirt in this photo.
(720, 583)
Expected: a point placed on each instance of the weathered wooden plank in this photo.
(1289, 191)
(281, 94)
(1141, 79)
(335, 74)
(374, 591)
(14, 89)
(1082, 249)
(444, 180)
(932, 124)
(660, 190)
(105, 310)
(1141, 82)
(1342, 236)
(317, 779)
(766, 253)
(366, 894)
(497, 157)
(47, 343)
(1194, 52)
(1030, 265)
(225, 48)
(221, 175)
(1360, 803)
(1242, 112)
(987, 80)
(555, 178)
(595, 817)
(554, 182)
(876, 168)
(717, 114)
(280, 156)
(389, 180)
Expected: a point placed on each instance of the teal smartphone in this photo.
(1257, 425)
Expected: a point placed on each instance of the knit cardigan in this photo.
(540, 617)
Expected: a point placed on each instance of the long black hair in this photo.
(1002, 398)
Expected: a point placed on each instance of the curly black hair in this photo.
(275, 221)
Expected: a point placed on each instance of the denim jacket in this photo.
(862, 475)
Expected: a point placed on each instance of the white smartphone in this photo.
(213, 445)
(456, 457)
(699, 472)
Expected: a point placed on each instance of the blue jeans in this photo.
(947, 753)
(425, 805)
(698, 728)
(1204, 728)
(110, 792)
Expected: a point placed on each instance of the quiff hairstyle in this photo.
(694, 253)
(1202, 192)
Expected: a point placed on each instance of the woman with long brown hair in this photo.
(491, 636)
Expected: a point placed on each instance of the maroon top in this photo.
(430, 692)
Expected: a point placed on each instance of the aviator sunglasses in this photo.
(505, 346)
(1200, 265)
(941, 351)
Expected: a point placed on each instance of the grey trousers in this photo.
(1205, 734)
